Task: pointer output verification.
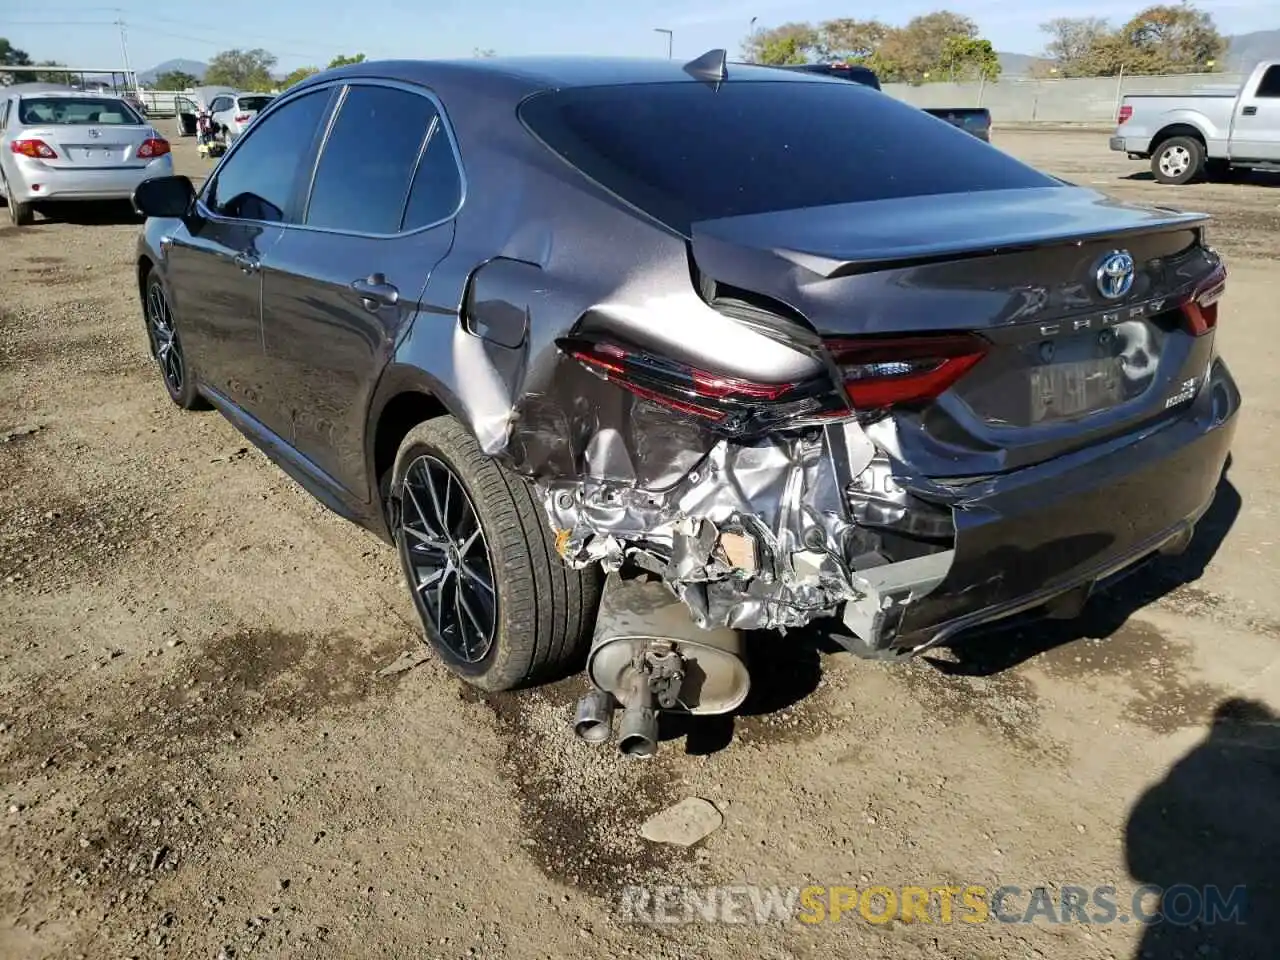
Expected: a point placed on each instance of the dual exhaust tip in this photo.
(637, 729)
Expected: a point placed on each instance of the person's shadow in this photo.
(1208, 836)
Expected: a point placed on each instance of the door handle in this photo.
(246, 262)
(375, 292)
(1250, 111)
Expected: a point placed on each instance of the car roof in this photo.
(551, 73)
(71, 94)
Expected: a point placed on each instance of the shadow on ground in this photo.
(84, 214)
(1206, 836)
(997, 649)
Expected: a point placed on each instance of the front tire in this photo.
(496, 602)
(166, 346)
(1178, 160)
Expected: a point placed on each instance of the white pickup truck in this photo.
(1205, 134)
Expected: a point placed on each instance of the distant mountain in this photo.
(1244, 51)
(193, 67)
(1017, 64)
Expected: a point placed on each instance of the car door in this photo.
(213, 260)
(1255, 135)
(218, 111)
(340, 289)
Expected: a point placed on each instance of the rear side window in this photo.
(685, 151)
(437, 185)
(364, 174)
(1270, 84)
(252, 103)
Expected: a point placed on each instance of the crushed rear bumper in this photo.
(1024, 539)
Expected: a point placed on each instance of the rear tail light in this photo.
(242, 118)
(1125, 113)
(884, 372)
(1202, 309)
(686, 389)
(152, 148)
(33, 148)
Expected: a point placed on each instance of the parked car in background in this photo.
(779, 349)
(974, 120)
(62, 146)
(1212, 133)
(189, 106)
(232, 114)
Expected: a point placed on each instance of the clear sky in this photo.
(81, 32)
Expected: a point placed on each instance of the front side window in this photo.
(363, 176)
(103, 111)
(257, 181)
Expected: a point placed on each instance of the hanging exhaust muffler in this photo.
(647, 655)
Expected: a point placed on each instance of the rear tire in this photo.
(533, 622)
(1178, 160)
(21, 214)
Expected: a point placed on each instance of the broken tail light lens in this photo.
(884, 372)
(675, 385)
(33, 148)
(1202, 309)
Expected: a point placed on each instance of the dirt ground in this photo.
(197, 758)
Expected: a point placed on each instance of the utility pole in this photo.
(669, 38)
(130, 80)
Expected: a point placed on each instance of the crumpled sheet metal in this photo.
(783, 492)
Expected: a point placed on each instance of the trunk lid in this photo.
(91, 146)
(1077, 297)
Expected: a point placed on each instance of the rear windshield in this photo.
(105, 111)
(253, 103)
(685, 152)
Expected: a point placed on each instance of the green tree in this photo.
(50, 76)
(242, 69)
(916, 49)
(968, 58)
(855, 41)
(297, 76)
(1073, 42)
(11, 56)
(343, 61)
(1174, 38)
(787, 44)
(175, 80)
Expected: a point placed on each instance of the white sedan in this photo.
(57, 147)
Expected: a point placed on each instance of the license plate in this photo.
(1062, 390)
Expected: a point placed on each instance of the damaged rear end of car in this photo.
(917, 398)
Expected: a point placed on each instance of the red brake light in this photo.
(887, 371)
(33, 148)
(1202, 309)
(153, 147)
(1125, 113)
(242, 118)
(676, 385)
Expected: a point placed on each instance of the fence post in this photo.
(1115, 113)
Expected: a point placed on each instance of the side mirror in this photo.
(164, 197)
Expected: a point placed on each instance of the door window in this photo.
(1270, 85)
(257, 181)
(364, 173)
